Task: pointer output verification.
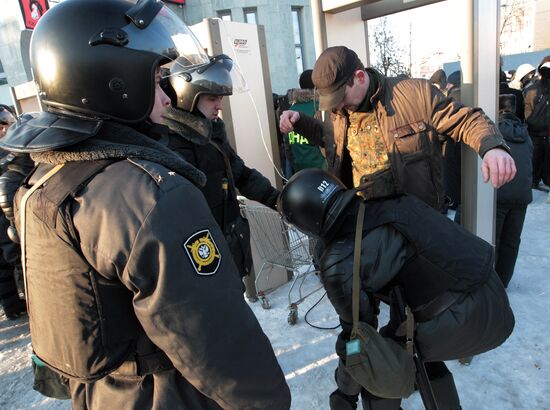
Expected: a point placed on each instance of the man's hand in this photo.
(498, 166)
(287, 120)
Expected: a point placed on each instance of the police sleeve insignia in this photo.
(203, 252)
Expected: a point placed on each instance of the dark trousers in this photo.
(509, 224)
(9, 258)
(541, 160)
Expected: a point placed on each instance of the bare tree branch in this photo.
(386, 51)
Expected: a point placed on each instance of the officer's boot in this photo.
(345, 397)
(443, 386)
(9, 296)
(445, 393)
(340, 401)
(371, 402)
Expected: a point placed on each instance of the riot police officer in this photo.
(132, 296)
(199, 135)
(445, 273)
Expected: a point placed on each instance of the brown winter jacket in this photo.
(411, 114)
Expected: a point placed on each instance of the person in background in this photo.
(537, 117)
(10, 255)
(453, 86)
(131, 288)
(522, 77)
(301, 152)
(452, 153)
(504, 88)
(513, 197)
(439, 79)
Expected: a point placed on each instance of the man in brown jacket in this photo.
(537, 117)
(386, 130)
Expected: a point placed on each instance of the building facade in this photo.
(288, 31)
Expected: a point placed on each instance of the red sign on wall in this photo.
(175, 1)
(32, 10)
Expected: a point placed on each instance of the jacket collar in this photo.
(194, 128)
(115, 140)
(381, 83)
(191, 127)
(377, 78)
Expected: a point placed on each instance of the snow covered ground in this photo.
(513, 376)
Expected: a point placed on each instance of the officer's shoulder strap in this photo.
(67, 182)
(72, 178)
(163, 176)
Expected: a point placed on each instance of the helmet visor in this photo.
(220, 71)
(237, 77)
(168, 36)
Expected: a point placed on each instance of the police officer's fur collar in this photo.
(116, 140)
(194, 128)
(190, 126)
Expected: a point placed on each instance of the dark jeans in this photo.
(9, 257)
(541, 160)
(509, 224)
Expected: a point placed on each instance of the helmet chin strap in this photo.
(338, 205)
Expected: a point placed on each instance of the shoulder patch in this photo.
(203, 252)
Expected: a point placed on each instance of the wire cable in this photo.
(249, 94)
(315, 326)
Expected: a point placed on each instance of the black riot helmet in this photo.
(98, 58)
(6, 120)
(313, 199)
(6, 116)
(214, 78)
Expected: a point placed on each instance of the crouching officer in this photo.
(445, 274)
(132, 297)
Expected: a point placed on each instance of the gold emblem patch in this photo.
(203, 252)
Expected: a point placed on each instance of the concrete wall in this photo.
(348, 29)
(541, 36)
(14, 44)
(276, 18)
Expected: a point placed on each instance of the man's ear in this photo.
(360, 76)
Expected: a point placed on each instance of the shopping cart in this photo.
(278, 243)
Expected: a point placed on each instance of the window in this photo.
(297, 30)
(251, 16)
(3, 79)
(225, 15)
